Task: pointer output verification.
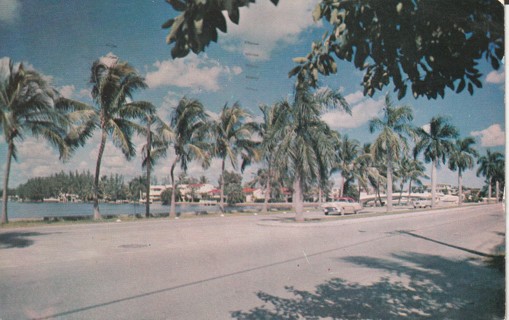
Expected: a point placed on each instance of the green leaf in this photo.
(334, 16)
(177, 5)
(300, 60)
(317, 12)
(168, 24)
(294, 71)
(402, 92)
(172, 36)
(470, 88)
(461, 86)
(494, 63)
(234, 15)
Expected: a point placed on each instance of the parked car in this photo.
(341, 206)
(422, 204)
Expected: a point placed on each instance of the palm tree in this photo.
(187, 132)
(393, 127)
(437, 144)
(491, 166)
(114, 83)
(232, 138)
(409, 170)
(347, 153)
(462, 158)
(362, 168)
(267, 150)
(306, 145)
(154, 149)
(30, 105)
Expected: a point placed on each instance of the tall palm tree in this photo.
(462, 158)
(491, 165)
(267, 150)
(394, 126)
(233, 138)
(154, 149)
(30, 105)
(187, 132)
(306, 145)
(437, 144)
(113, 84)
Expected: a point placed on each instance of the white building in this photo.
(155, 192)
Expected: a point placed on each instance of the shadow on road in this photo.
(17, 239)
(418, 286)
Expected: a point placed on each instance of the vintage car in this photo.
(341, 206)
(423, 203)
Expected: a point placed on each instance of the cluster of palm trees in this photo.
(292, 142)
(30, 105)
(390, 154)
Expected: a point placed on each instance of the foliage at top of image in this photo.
(197, 25)
(422, 46)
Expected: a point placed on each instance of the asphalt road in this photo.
(429, 265)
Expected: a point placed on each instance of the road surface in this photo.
(429, 265)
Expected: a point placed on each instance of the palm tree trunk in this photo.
(10, 151)
(389, 182)
(378, 193)
(400, 193)
(433, 182)
(342, 186)
(496, 191)
(267, 193)
(149, 168)
(489, 191)
(409, 190)
(297, 199)
(173, 207)
(460, 188)
(97, 213)
(221, 199)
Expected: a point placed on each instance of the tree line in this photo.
(78, 186)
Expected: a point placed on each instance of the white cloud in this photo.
(363, 110)
(4, 67)
(491, 137)
(355, 97)
(35, 158)
(67, 91)
(263, 27)
(236, 70)
(85, 93)
(9, 11)
(213, 115)
(196, 72)
(496, 77)
(426, 127)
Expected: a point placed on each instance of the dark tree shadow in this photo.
(427, 287)
(17, 239)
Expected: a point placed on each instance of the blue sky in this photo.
(61, 39)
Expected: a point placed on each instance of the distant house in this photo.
(155, 193)
(214, 194)
(195, 191)
(259, 194)
(248, 193)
